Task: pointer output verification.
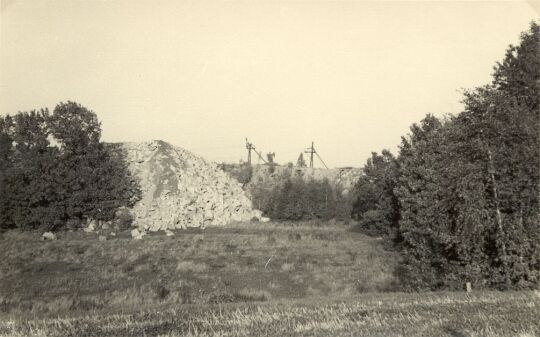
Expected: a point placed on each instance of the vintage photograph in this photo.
(269, 168)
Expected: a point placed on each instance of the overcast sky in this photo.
(351, 76)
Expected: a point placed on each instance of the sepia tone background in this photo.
(351, 76)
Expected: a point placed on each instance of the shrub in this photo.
(242, 172)
(46, 184)
(123, 219)
(295, 199)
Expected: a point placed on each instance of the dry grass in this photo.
(245, 280)
(487, 314)
(78, 273)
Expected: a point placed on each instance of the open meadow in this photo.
(249, 279)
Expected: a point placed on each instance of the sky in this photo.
(351, 76)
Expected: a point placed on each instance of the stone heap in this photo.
(181, 189)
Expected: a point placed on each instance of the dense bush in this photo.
(463, 193)
(123, 219)
(55, 170)
(242, 172)
(375, 203)
(296, 199)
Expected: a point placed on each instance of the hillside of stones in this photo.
(181, 189)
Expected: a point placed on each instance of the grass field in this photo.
(244, 280)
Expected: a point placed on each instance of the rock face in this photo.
(181, 189)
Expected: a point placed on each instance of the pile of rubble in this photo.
(181, 189)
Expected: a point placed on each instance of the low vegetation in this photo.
(242, 263)
(486, 314)
(288, 279)
(293, 198)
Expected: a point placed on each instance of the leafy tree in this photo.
(502, 121)
(422, 202)
(28, 186)
(375, 205)
(296, 199)
(272, 165)
(301, 162)
(517, 75)
(6, 153)
(45, 185)
(468, 188)
(76, 128)
(94, 182)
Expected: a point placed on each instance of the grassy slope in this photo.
(246, 262)
(221, 281)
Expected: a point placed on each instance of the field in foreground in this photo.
(246, 262)
(245, 280)
(390, 314)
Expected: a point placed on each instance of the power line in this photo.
(311, 151)
(321, 160)
(249, 147)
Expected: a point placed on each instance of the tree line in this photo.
(55, 171)
(292, 197)
(461, 199)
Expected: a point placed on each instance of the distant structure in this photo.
(311, 151)
(271, 155)
(249, 147)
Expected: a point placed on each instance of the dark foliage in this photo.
(56, 171)
(297, 199)
(242, 172)
(463, 193)
(375, 204)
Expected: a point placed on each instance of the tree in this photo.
(468, 188)
(272, 165)
(505, 117)
(6, 153)
(76, 128)
(28, 183)
(375, 205)
(296, 199)
(44, 185)
(422, 202)
(94, 180)
(301, 162)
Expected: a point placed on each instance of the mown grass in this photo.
(436, 314)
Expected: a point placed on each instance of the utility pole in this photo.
(311, 150)
(249, 147)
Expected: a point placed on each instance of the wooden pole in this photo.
(311, 158)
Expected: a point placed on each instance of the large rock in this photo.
(181, 189)
(48, 236)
